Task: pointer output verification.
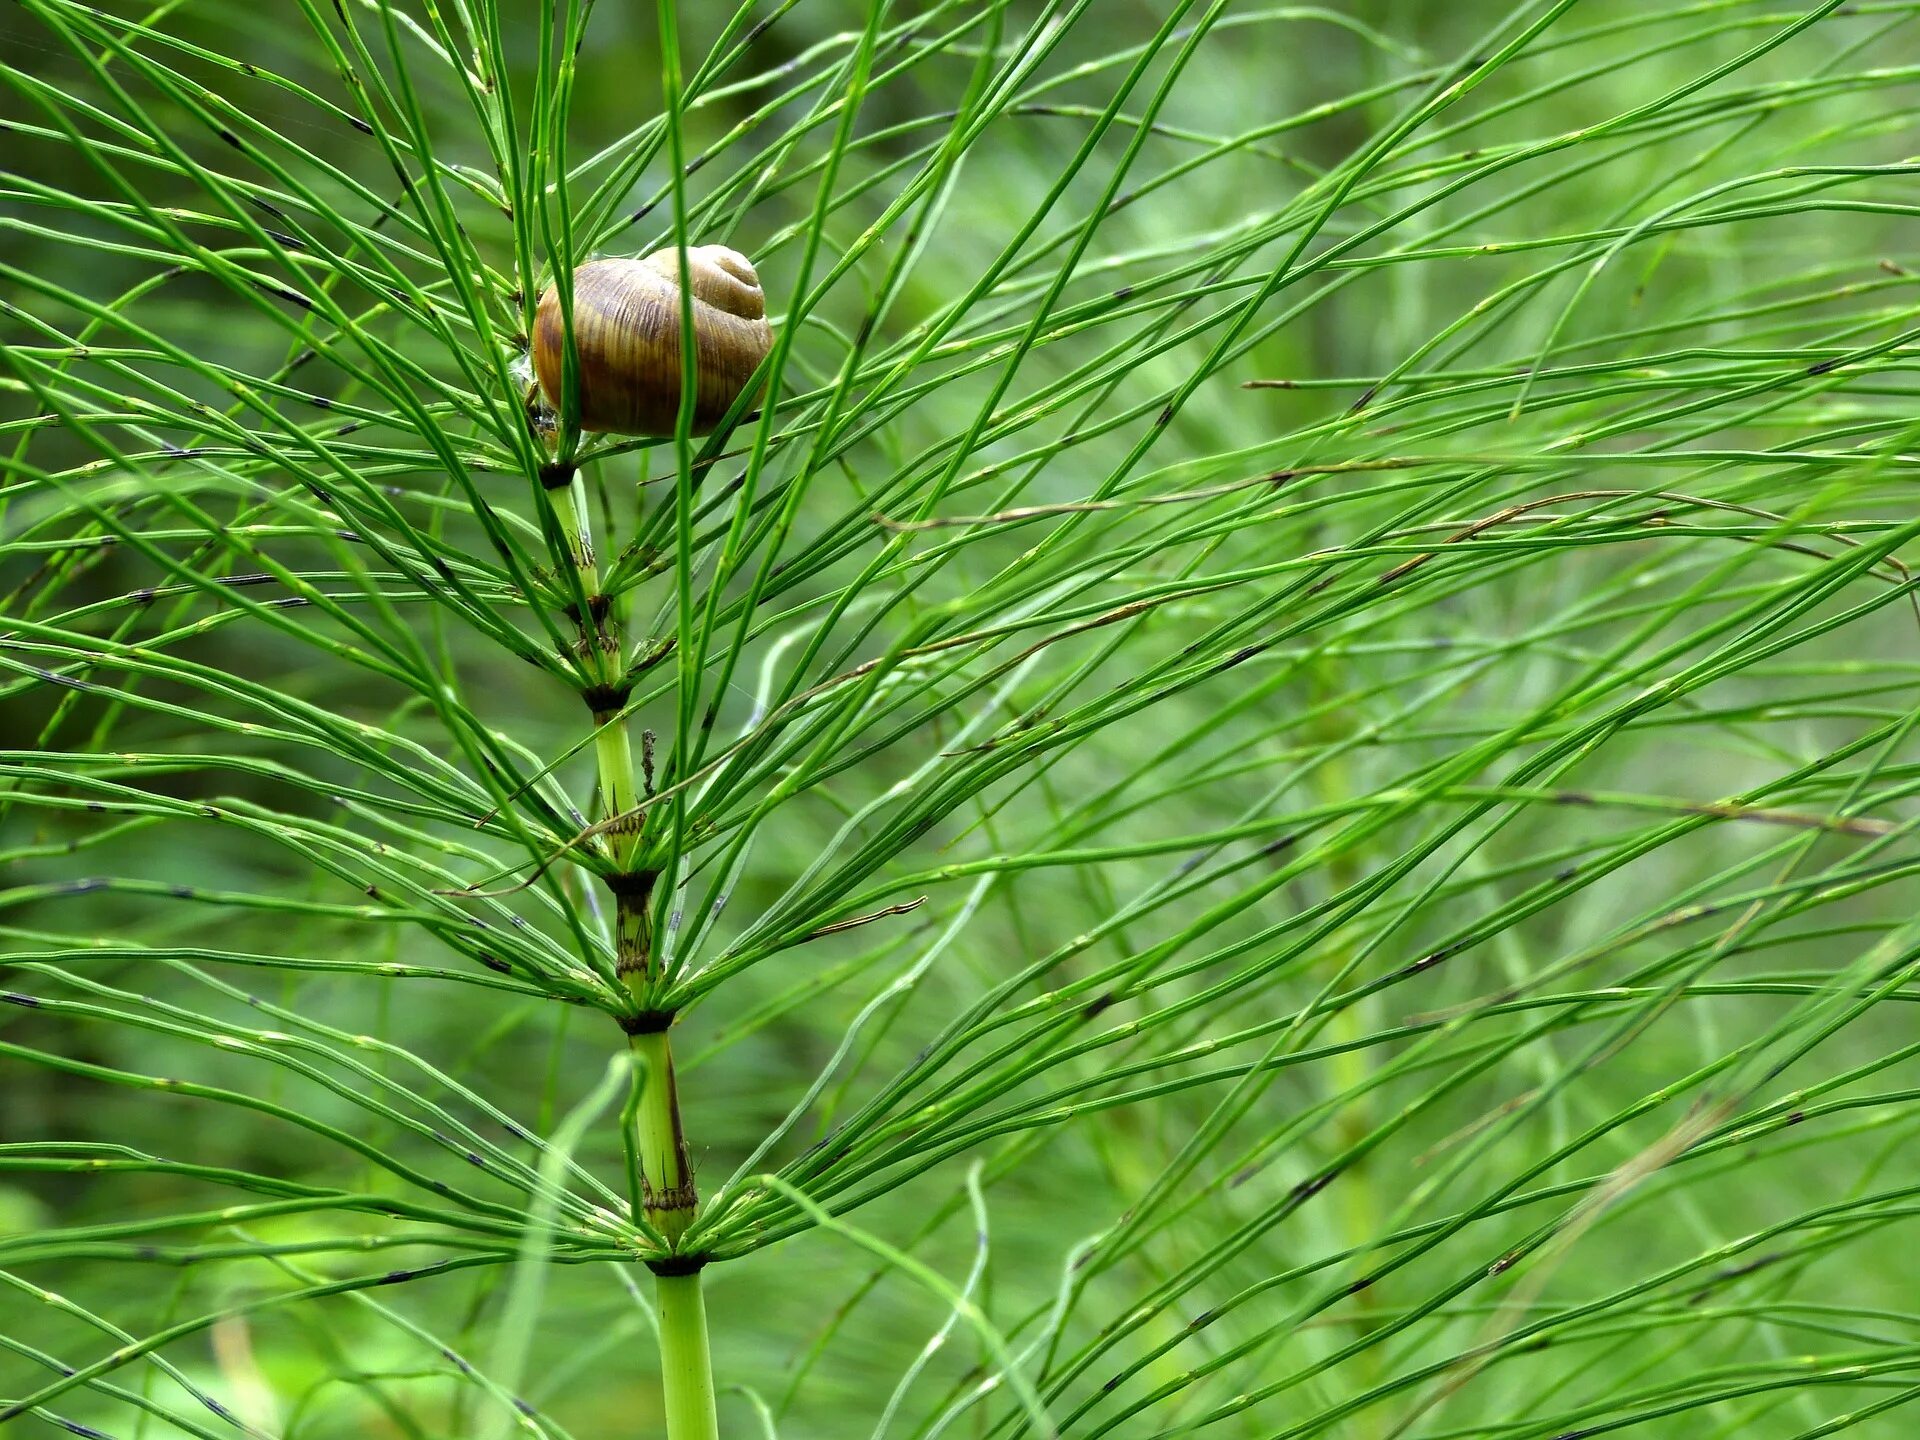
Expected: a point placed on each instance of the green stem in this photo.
(662, 1145)
(671, 1202)
(686, 1364)
(613, 750)
(570, 511)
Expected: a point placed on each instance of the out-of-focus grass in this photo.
(1720, 397)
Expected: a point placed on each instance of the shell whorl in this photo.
(626, 332)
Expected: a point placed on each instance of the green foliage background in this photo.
(1417, 853)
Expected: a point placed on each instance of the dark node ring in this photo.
(631, 884)
(597, 608)
(647, 1022)
(556, 475)
(606, 699)
(671, 1265)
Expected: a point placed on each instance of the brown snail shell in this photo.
(626, 331)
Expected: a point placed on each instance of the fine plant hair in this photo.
(1261, 787)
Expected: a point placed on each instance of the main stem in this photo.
(666, 1174)
(686, 1366)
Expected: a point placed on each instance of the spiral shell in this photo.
(626, 332)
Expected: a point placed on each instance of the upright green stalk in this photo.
(686, 1367)
(669, 1197)
(662, 1146)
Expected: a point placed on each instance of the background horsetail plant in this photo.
(1258, 781)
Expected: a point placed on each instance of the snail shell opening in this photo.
(626, 332)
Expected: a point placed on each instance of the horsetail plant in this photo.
(1249, 771)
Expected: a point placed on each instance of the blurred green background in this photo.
(339, 1367)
